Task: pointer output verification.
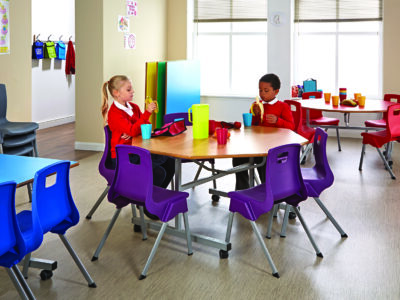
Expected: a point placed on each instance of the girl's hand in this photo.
(270, 118)
(124, 136)
(151, 107)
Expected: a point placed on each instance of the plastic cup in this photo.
(356, 95)
(361, 101)
(211, 127)
(247, 119)
(335, 100)
(327, 97)
(146, 131)
(222, 136)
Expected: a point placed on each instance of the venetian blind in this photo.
(338, 10)
(230, 10)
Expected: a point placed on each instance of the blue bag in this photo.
(60, 50)
(309, 85)
(37, 50)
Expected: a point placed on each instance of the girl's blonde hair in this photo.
(114, 84)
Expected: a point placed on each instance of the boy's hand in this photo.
(151, 107)
(270, 118)
(256, 110)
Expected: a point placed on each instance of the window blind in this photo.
(338, 10)
(230, 10)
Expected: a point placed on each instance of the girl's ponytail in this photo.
(104, 104)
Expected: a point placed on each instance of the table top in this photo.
(245, 142)
(371, 106)
(22, 169)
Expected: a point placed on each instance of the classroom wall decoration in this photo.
(5, 27)
(129, 41)
(131, 8)
(123, 24)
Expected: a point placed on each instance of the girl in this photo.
(124, 119)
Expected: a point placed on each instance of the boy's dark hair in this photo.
(272, 79)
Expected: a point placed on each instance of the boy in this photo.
(276, 114)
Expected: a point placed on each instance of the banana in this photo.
(259, 104)
(349, 102)
(149, 100)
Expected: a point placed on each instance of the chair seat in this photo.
(169, 203)
(376, 139)
(375, 123)
(22, 150)
(19, 140)
(17, 128)
(24, 220)
(315, 183)
(306, 132)
(324, 121)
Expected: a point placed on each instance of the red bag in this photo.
(170, 129)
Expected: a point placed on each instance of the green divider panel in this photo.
(161, 71)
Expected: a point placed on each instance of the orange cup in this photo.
(361, 101)
(327, 97)
(356, 95)
(335, 100)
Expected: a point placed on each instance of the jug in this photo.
(200, 115)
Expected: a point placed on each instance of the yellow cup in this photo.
(327, 97)
(356, 95)
(335, 100)
(361, 101)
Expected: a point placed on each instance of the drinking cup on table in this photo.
(327, 97)
(361, 101)
(247, 119)
(222, 136)
(356, 95)
(335, 100)
(146, 131)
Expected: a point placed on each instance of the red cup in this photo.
(222, 135)
(211, 127)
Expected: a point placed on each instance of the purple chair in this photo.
(283, 184)
(133, 184)
(105, 169)
(318, 178)
(170, 118)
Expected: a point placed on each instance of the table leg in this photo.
(251, 173)
(178, 178)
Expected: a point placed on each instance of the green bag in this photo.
(49, 50)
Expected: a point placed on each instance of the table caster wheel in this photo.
(46, 274)
(215, 198)
(137, 228)
(223, 254)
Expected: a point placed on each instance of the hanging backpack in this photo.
(37, 50)
(60, 50)
(49, 50)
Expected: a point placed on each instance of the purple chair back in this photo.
(133, 182)
(319, 177)
(105, 165)
(168, 118)
(284, 175)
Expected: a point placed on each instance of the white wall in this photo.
(53, 92)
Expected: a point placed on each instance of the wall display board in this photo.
(4, 27)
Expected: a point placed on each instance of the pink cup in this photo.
(222, 135)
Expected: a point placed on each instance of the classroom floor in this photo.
(363, 266)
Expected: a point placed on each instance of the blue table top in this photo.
(22, 169)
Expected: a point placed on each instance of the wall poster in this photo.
(5, 27)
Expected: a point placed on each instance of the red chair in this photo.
(382, 123)
(316, 117)
(380, 138)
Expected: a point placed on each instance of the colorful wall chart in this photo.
(5, 27)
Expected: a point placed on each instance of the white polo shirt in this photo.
(128, 109)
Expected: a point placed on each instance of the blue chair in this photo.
(12, 244)
(170, 118)
(53, 210)
(133, 184)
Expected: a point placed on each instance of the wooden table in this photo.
(250, 142)
(371, 106)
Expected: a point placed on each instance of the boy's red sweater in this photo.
(120, 122)
(279, 109)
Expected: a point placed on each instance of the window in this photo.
(230, 40)
(339, 43)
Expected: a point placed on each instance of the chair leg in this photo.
(386, 163)
(270, 220)
(229, 227)
(105, 236)
(338, 140)
(77, 261)
(187, 231)
(29, 188)
(35, 151)
(303, 156)
(285, 221)
(17, 284)
(96, 205)
(25, 268)
(153, 251)
(331, 218)
(362, 157)
(265, 250)
(142, 223)
(303, 223)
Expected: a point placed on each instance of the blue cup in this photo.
(312, 97)
(247, 118)
(146, 131)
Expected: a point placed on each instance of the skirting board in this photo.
(56, 122)
(89, 146)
